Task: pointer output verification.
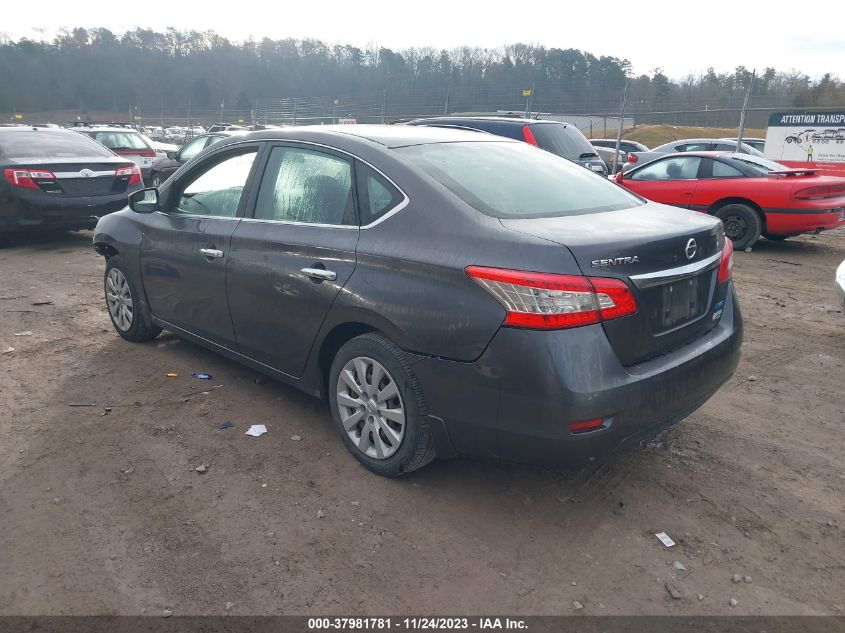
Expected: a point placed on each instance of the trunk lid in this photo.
(669, 258)
(79, 177)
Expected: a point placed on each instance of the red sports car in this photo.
(751, 195)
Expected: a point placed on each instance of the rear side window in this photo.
(723, 170)
(516, 180)
(563, 140)
(119, 140)
(301, 185)
(376, 196)
(693, 147)
(193, 148)
(50, 144)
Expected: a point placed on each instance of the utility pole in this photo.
(621, 126)
(744, 111)
(446, 103)
(222, 106)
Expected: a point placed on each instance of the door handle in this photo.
(212, 253)
(320, 274)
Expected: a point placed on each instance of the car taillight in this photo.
(587, 425)
(27, 178)
(528, 135)
(133, 172)
(726, 266)
(148, 153)
(820, 192)
(549, 301)
(632, 158)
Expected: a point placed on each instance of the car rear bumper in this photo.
(70, 212)
(793, 223)
(517, 400)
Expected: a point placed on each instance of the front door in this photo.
(288, 261)
(184, 249)
(670, 180)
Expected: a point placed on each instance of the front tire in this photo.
(378, 407)
(742, 224)
(129, 315)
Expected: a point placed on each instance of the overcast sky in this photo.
(680, 37)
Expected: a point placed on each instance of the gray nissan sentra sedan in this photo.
(448, 292)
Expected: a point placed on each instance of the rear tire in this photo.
(378, 407)
(155, 180)
(742, 224)
(128, 313)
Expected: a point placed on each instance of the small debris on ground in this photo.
(701, 596)
(200, 376)
(295, 438)
(166, 613)
(256, 430)
(673, 591)
(171, 374)
(734, 602)
(8, 350)
(201, 468)
(320, 514)
(752, 379)
(106, 411)
(226, 424)
(620, 508)
(41, 303)
(665, 539)
(747, 579)
(736, 578)
(27, 333)
(577, 605)
(678, 566)
(229, 605)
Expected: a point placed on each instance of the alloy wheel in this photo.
(119, 300)
(371, 408)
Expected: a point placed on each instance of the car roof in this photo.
(390, 136)
(504, 119)
(103, 128)
(32, 128)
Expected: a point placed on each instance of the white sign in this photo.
(348, 121)
(806, 137)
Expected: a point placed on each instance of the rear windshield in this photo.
(119, 139)
(516, 180)
(563, 140)
(50, 144)
(762, 165)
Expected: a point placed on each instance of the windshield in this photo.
(120, 139)
(563, 140)
(50, 144)
(763, 165)
(515, 180)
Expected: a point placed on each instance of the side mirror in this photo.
(144, 201)
(619, 175)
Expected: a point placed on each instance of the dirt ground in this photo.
(106, 514)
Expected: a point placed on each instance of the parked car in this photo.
(558, 138)
(226, 127)
(751, 195)
(609, 157)
(687, 145)
(123, 141)
(448, 292)
(757, 143)
(626, 145)
(840, 284)
(161, 149)
(164, 167)
(60, 179)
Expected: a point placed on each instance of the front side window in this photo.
(376, 195)
(516, 180)
(679, 168)
(193, 148)
(217, 191)
(302, 185)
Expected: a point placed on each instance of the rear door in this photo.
(671, 180)
(289, 260)
(185, 246)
